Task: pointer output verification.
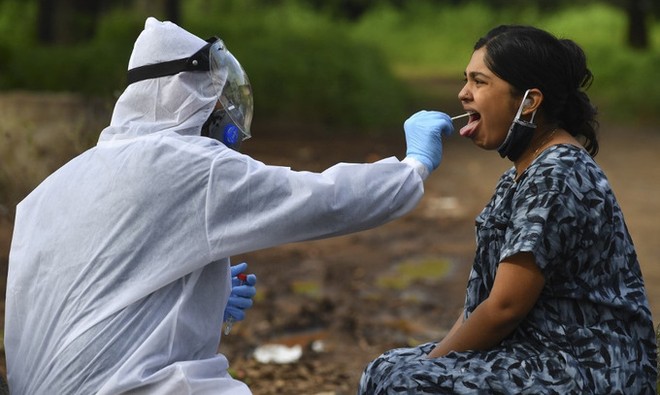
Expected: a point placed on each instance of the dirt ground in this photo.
(346, 300)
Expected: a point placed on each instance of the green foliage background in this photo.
(311, 66)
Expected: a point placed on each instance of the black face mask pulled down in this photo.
(519, 136)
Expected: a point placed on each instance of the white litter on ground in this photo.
(277, 353)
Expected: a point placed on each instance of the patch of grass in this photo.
(309, 288)
(416, 269)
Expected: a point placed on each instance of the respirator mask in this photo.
(221, 126)
(520, 133)
(230, 122)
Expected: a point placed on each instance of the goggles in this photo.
(229, 80)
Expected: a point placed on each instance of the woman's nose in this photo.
(463, 94)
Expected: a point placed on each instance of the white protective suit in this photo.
(119, 264)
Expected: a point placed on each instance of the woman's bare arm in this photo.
(518, 284)
(454, 328)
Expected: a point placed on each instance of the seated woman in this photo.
(555, 300)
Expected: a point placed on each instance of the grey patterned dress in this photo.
(590, 331)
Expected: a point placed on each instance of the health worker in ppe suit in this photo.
(119, 269)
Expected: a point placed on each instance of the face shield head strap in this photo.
(197, 62)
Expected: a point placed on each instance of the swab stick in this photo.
(467, 114)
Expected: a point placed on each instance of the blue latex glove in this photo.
(241, 295)
(424, 130)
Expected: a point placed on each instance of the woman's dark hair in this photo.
(527, 57)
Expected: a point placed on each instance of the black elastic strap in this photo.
(198, 62)
(156, 70)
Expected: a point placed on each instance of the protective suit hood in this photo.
(179, 103)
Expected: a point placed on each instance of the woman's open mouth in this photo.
(473, 121)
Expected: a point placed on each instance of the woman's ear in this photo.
(532, 101)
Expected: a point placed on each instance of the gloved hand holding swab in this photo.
(424, 131)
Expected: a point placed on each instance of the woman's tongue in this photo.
(468, 130)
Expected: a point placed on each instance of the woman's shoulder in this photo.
(562, 160)
(565, 166)
(561, 157)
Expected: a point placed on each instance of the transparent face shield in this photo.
(233, 86)
(230, 122)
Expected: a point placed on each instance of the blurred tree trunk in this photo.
(638, 35)
(46, 21)
(67, 21)
(169, 10)
(173, 11)
(71, 21)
